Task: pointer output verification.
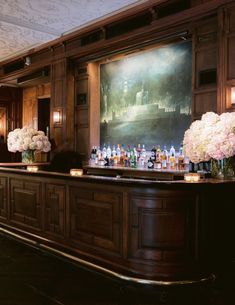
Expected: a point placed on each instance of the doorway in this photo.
(44, 115)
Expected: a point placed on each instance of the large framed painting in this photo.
(146, 98)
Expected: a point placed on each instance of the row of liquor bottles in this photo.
(138, 156)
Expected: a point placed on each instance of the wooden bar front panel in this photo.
(95, 219)
(162, 227)
(3, 198)
(55, 196)
(152, 230)
(26, 203)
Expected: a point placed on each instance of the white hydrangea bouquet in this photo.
(211, 138)
(27, 140)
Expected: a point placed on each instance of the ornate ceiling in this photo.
(25, 24)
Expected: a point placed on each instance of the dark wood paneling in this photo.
(226, 57)
(11, 99)
(161, 226)
(204, 61)
(59, 92)
(82, 118)
(83, 140)
(154, 230)
(200, 20)
(231, 58)
(55, 209)
(26, 202)
(82, 104)
(3, 198)
(58, 100)
(204, 101)
(96, 219)
(231, 19)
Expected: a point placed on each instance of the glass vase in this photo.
(217, 169)
(229, 168)
(27, 156)
(223, 168)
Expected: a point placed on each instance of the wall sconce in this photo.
(27, 61)
(57, 117)
(233, 95)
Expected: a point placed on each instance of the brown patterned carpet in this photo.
(31, 277)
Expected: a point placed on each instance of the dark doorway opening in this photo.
(44, 115)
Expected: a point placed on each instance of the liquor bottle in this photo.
(114, 156)
(115, 159)
(109, 151)
(97, 156)
(164, 158)
(93, 153)
(172, 150)
(126, 161)
(158, 163)
(98, 153)
(181, 164)
(133, 158)
(172, 159)
(143, 152)
(106, 161)
(142, 158)
(158, 152)
(111, 160)
(150, 163)
(122, 155)
(141, 162)
(153, 154)
(118, 151)
(135, 153)
(128, 151)
(114, 151)
(104, 152)
(138, 152)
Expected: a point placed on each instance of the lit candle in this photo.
(192, 177)
(76, 172)
(32, 168)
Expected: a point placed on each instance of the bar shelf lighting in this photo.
(76, 172)
(191, 177)
(32, 168)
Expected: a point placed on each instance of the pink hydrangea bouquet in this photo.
(27, 138)
(212, 137)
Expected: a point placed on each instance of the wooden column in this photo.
(204, 67)
(62, 102)
(227, 57)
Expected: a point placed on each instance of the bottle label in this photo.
(150, 164)
(158, 165)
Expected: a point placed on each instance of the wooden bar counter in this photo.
(147, 231)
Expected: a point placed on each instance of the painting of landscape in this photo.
(146, 98)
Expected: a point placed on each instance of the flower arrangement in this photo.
(27, 138)
(212, 137)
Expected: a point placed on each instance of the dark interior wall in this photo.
(74, 73)
(11, 99)
(11, 118)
